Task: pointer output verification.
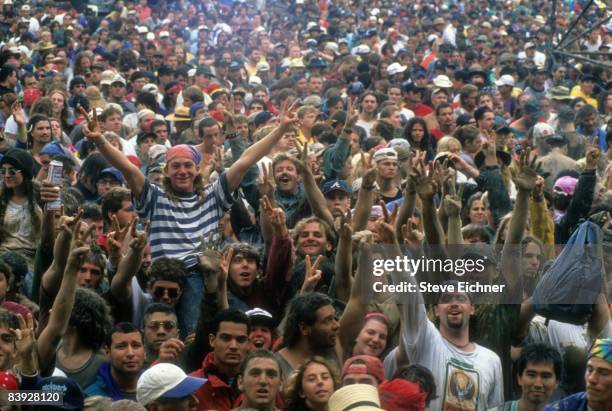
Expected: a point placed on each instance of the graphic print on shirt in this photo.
(461, 387)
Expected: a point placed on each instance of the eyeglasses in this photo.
(159, 292)
(168, 325)
(9, 171)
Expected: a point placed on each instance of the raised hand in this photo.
(425, 184)
(93, 132)
(592, 155)
(279, 223)
(369, 176)
(170, 349)
(411, 234)
(224, 265)
(217, 160)
(527, 171)
(288, 116)
(538, 189)
(351, 115)
(140, 238)
(76, 258)
(312, 276)
(24, 335)
(116, 238)
(385, 226)
(489, 150)
(18, 114)
(452, 202)
(344, 225)
(266, 181)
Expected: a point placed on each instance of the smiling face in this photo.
(41, 132)
(312, 239)
(372, 339)
(478, 213)
(182, 173)
(537, 382)
(454, 310)
(317, 385)
(286, 176)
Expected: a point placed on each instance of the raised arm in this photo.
(121, 284)
(365, 199)
(406, 210)
(253, 154)
(20, 119)
(313, 194)
(452, 206)
(344, 258)
(62, 306)
(134, 177)
(525, 181)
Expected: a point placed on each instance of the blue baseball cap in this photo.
(113, 172)
(54, 148)
(336, 185)
(73, 397)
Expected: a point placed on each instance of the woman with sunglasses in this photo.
(20, 216)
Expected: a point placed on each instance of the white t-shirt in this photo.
(367, 126)
(464, 380)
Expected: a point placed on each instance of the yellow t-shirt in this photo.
(577, 92)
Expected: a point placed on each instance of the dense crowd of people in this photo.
(193, 194)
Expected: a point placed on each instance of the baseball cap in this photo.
(533, 109)
(396, 68)
(262, 66)
(118, 79)
(385, 154)
(165, 380)
(260, 316)
(336, 185)
(112, 172)
(505, 80)
(73, 397)
(364, 364)
(542, 130)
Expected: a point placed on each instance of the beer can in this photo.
(56, 169)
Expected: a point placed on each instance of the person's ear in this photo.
(240, 383)
(211, 340)
(304, 329)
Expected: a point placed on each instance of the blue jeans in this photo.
(188, 307)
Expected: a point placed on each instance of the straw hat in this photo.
(356, 397)
(180, 114)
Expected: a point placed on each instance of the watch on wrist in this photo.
(232, 135)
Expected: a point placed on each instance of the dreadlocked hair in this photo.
(198, 188)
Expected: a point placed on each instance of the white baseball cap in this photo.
(395, 68)
(505, 80)
(163, 34)
(542, 130)
(165, 380)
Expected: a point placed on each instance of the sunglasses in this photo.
(167, 325)
(159, 292)
(9, 171)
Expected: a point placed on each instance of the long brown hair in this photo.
(5, 196)
(293, 390)
(198, 188)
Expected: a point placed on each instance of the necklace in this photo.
(461, 347)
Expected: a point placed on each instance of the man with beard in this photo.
(470, 373)
(598, 378)
(447, 121)
(117, 379)
(160, 324)
(311, 329)
(260, 381)
(538, 371)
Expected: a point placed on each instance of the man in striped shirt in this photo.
(184, 210)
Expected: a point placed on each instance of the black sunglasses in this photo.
(159, 292)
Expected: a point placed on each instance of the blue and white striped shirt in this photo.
(176, 228)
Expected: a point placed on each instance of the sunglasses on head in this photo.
(168, 325)
(159, 292)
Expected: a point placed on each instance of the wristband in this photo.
(232, 136)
